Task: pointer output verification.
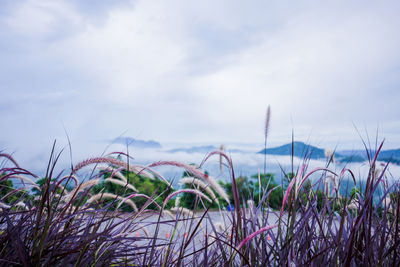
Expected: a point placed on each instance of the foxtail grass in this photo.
(73, 225)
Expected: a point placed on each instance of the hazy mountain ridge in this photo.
(137, 143)
(204, 150)
(300, 150)
(194, 149)
(392, 155)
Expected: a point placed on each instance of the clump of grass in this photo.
(200, 184)
(71, 225)
(51, 232)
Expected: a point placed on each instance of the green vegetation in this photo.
(249, 189)
(154, 188)
(9, 194)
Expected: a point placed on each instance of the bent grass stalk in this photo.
(114, 162)
(201, 184)
(183, 210)
(196, 173)
(113, 172)
(191, 191)
(81, 187)
(144, 196)
(217, 187)
(25, 179)
(10, 158)
(121, 183)
(251, 236)
(113, 196)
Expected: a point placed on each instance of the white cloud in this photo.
(42, 19)
(197, 72)
(324, 71)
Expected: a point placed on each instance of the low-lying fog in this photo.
(245, 158)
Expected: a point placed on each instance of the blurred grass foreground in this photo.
(109, 211)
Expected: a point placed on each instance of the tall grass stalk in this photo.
(266, 131)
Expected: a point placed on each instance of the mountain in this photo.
(195, 149)
(392, 155)
(203, 150)
(350, 159)
(387, 154)
(300, 150)
(136, 142)
(351, 153)
(351, 156)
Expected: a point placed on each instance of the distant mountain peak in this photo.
(194, 149)
(136, 142)
(301, 150)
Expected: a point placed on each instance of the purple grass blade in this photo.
(248, 238)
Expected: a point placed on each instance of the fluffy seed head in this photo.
(201, 184)
(109, 195)
(267, 120)
(191, 191)
(80, 188)
(121, 183)
(183, 210)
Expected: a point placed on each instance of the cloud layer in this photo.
(196, 72)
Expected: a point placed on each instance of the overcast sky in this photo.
(197, 71)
